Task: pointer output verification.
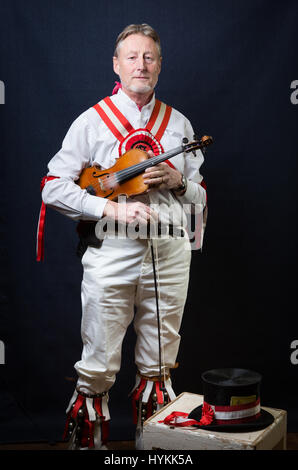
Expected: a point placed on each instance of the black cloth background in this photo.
(228, 65)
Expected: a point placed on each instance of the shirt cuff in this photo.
(195, 193)
(93, 206)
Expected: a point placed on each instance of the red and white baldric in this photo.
(147, 139)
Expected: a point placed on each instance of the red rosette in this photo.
(142, 139)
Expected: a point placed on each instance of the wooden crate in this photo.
(161, 436)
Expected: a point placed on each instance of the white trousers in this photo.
(117, 277)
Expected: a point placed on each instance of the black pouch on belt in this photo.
(87, 237)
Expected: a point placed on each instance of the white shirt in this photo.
(89, 142)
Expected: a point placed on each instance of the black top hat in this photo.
(231, 402)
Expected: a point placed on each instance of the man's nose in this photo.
(141, 64)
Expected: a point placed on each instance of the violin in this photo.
(125, 177)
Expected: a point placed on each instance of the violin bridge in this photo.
(107, 182)
(101, 184)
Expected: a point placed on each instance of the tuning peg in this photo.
(185, 140)
(196, 137)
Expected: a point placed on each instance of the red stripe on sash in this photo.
(108, 122)
(154, 115)
(170, 164)
(164, 123)
(125, 123)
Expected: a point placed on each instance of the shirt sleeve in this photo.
(62, 193)
(195, 193)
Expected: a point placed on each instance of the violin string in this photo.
(127, 173)
(138, 168)
(135, 169)
(157, 159)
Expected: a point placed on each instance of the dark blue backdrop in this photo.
(228, 65)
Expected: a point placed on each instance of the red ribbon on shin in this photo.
(160, 398)
(87, 439)
(80, 401)
(86, 436)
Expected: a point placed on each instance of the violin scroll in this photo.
(197, 143)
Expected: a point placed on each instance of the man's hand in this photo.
(129, 212)
(162, 176)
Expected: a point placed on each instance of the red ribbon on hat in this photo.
(220, 415)
(180, 419)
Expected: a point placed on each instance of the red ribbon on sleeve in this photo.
(41, 222)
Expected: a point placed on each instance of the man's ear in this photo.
(116, 65)
(160, 60)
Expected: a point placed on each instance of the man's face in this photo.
(138, 63)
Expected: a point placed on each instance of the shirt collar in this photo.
(127, 100)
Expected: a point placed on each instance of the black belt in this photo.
(87, 237)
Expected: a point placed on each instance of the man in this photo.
(118, 272)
